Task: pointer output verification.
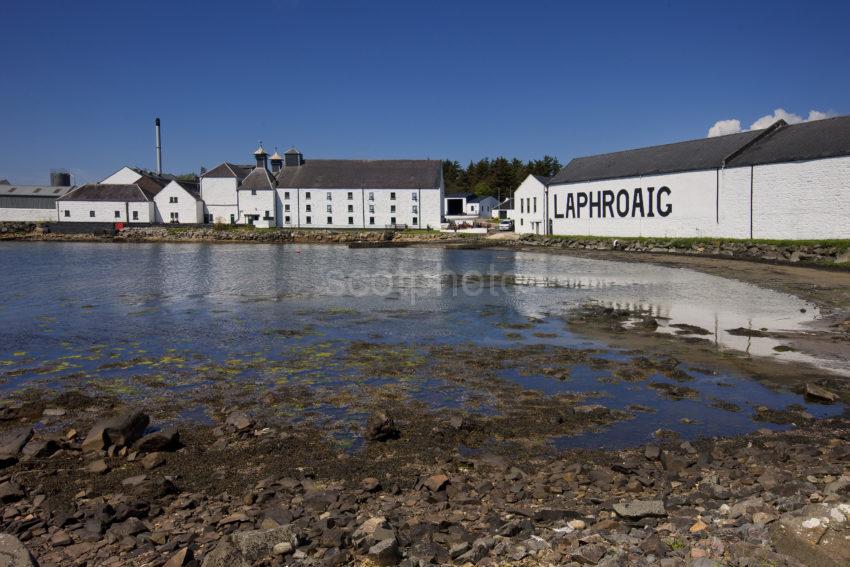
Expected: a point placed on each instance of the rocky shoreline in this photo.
(763, 499)
(820, 254)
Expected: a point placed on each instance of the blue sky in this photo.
(83, 81)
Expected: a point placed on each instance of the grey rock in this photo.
(165, 440)
(819, 393)
(121, 430)
(641, 509)
(13, 553)
(180, 559)
(10, 491)
(40, 448)
(13, 441)
(225, 555)
(239, 420)
(255, 544)
(381, 427)
(385, 552)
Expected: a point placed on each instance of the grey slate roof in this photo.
(259, 178)
(818, 139)
(227, 170)
(466, 196)
(102, 192)
(367, 174)
(693, 155)
(541, 178)
(191, 188)
(33, 191)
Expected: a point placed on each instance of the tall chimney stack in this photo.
(158, 149)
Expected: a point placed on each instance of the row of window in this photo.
(309, 220)
(329, 195)
(525, 205)
(309, 208)
(134, 215)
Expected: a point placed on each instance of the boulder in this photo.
(121, 430)
(385, 552)
(436, 482)
(640, 509)
(40, 448)
(381, 427)
(255, 544)
(14, 440)
(181, 558)
(225, 555)
(165, 440)
(13, 553)
(10, 491)
(239, 420)
(816, 536)
(818, 393)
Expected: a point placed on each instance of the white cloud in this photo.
(733, 126)
(723, 127)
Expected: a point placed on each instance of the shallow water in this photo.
(77, 313)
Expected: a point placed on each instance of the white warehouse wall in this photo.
(526, 220)
(12, 214)
(690, 196)
(124, 176)
(802, 200)
(105, 211)
(219, 196)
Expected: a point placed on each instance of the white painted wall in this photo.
(797, 200)
(802, 200)
(124, 176)
(219, 196)
(261, 203)
(692, 198)
(27, 215)
(106, 211)
(357, 208)
(528, 213)
(188, 209)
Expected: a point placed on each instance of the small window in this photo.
(267, 215)
(371, 220)
(372, 209)
(287, 219)
(521, 206)
(415, 209)
(67, 213)
(117, 214)
(307, 195)
(172, 199)
(535, 204)
(286, 194)
(392, 208)
(330, 220)
(371, 196)
(91, 214)
(286, 207)
(392, 220)
(350, 196)
(329, 196)
(414, 197)
(392, 196)
(308, 209)
(253, 191)
(329, 209)
(307, 220)
(415, 220)
(350, 208)
(350, 220)
(175, 217)
(136, 215)
(232, 219)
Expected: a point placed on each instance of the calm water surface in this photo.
(65, 308)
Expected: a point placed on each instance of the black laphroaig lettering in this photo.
(667, 208)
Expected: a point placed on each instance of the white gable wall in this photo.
(219, 196)
(529, 219)
(188, 209)
(124, 176)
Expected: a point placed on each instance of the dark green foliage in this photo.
(498, 177)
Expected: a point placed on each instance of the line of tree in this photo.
(497, 177)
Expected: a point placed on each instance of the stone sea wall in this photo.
(820, 253)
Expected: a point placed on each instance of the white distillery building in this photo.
(783, 182)
(131, 196)
(461, 206)
(324, 193)
(529, 199)
(29, 203)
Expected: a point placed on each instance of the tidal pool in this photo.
(169, 321)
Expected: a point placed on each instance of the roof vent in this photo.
(293, 158)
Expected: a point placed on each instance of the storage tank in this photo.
(60, 178)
